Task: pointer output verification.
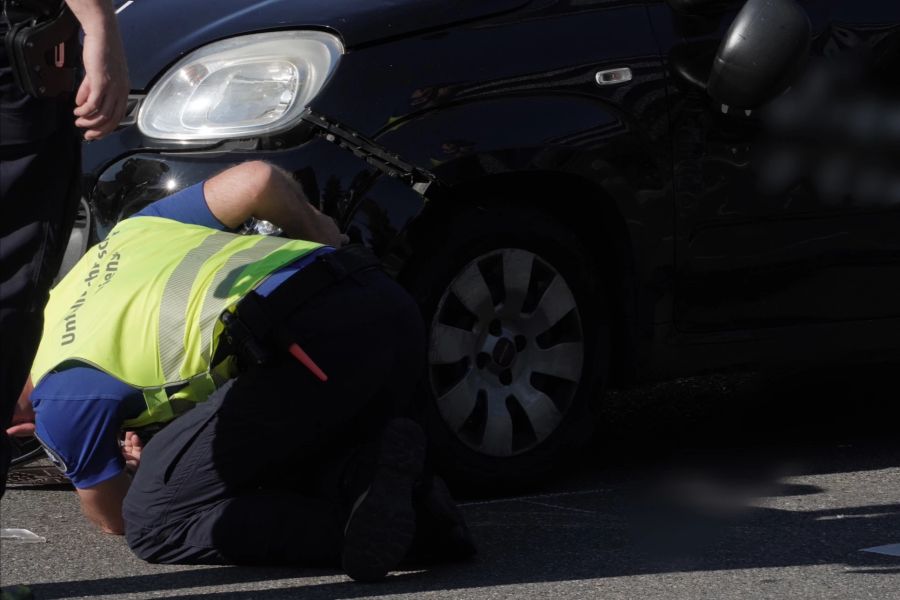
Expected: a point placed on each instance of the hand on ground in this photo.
(131, 450)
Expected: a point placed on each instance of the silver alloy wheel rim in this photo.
(506, 352)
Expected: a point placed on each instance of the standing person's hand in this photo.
(22, 424)
(103, 96)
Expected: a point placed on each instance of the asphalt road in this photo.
(719, 487)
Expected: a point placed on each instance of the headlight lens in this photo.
(240, 87)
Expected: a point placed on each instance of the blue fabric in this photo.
(186, 206)
(80, 410)
(282, 274)
(79, 414)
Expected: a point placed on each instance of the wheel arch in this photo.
(522, 145)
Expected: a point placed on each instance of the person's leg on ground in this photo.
(272, 420)
(196, 499)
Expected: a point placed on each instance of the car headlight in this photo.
(240, 87)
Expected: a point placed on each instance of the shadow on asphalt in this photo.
(681, 477)
(754, 418)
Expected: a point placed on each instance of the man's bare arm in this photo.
(259, 189)
(102, 503)
(103, 95)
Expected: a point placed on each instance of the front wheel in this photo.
(518, 346)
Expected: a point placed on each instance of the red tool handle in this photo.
(298, 353)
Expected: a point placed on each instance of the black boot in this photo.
(382, 523)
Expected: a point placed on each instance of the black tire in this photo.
(480, 239)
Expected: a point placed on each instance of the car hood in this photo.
(159, 32)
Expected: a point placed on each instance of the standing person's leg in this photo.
(221, 482)
(39, 175)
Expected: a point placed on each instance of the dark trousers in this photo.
(253, 474)
(39, 177)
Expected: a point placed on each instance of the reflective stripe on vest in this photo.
(143, 305)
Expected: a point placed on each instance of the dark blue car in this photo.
(580, 193)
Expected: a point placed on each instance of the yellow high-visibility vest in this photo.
(144, 305)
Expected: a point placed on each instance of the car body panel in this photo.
(158, 32)
(487, 59)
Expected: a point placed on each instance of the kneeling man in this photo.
(306, 351)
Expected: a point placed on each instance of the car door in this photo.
(774, 224)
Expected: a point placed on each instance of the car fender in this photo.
(463, 143)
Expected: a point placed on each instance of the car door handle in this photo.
(613, 76)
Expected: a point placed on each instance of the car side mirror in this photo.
(765, 47)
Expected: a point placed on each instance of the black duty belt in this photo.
(258, 324)
(42, 46)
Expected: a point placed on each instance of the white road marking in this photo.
(124, 6)
(558, 507)
(527, 498)
(889, 549)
